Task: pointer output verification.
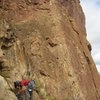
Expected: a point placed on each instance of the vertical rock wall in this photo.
(46, 40)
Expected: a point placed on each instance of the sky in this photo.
(91, 9)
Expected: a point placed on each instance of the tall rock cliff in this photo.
(46, 41)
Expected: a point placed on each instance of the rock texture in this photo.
(5, 92)
(46, 40)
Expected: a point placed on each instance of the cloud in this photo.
(98, 68)
(97, 58)
(92, 12)
(91, 9)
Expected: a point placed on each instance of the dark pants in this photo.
(19, 96)
(27, 93)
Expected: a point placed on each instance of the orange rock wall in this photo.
(46, 41)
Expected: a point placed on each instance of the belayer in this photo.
(27, 87)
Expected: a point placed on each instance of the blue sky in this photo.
(91, 9)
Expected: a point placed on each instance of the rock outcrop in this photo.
(5, 93)
(46, 40)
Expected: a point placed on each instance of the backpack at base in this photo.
(31, 85)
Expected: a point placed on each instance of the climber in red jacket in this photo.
(29, 86)
(23, 86)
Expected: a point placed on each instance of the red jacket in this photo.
(24, 82)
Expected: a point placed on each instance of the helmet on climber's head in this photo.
(17, 84)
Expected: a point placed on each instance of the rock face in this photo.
(46, 40)
(5, 92)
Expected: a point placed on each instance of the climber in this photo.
(24, 86)
(17, 86)
(21, 88)
(28, 87)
